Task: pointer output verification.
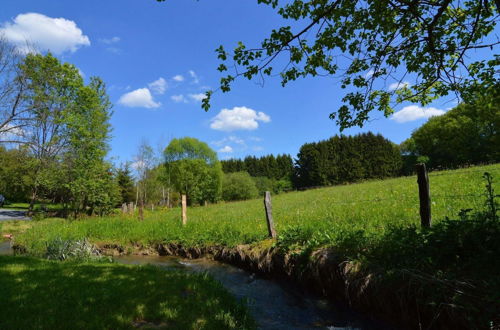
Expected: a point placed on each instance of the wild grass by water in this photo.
(40, 294)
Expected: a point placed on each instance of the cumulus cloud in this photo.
(139, 98)
(398, 85)
(229, 139)
(226, 149)
(178, 98)
(58, 35)
(414, 112)
(194, 76)
(110, 41)
(158, 86)
(178, 78)
(197, 97)
(238, 118)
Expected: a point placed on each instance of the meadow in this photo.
(323, 217)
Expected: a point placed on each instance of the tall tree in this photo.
(91, 182)
(51, 91)
(144, 162)
(126, 183)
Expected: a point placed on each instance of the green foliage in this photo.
(67, 136)
(383, 40)
(59, 295)
(270, 166)
(81, 250)
(344, 159)
(467, 134)
(126, 183)
(194, 169)
(15, 178)
(238, 186)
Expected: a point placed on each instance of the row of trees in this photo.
(270, 166)
(60, 127)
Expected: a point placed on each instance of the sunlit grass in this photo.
(372, 206)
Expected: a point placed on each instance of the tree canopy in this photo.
(194, 170)
(465, 135)
(422, 47)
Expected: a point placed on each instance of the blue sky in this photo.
(158, 58)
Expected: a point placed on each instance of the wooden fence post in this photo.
(131, 207)
(424, 195)
(184, 206)
(269, 215)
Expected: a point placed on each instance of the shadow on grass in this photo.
(41, 294)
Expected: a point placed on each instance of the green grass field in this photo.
(326, 215)
(39, 294)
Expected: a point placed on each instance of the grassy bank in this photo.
(39, 294)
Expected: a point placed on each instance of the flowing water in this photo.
(274, 305)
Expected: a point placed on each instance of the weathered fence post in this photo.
(131, 207)
(124, 208)
(269, 215)
(184, 206)
(424, 195)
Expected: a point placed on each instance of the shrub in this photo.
(238, 186)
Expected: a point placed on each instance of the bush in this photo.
(83, 250)
(238, 186)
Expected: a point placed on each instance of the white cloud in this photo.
(414, 112)
(158, 86)
(193, 75)
(197, 97)
(238, 118)
(178, 78)
(226, 149)
(398, 85)
(11, 132)
(178, 98)
(257, 148)
(229, 139)
(110, 41)
(369, 74)
(139, 98)
(58, 35)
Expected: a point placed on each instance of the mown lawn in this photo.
(40, 294)
(327, 215)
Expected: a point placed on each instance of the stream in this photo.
(273, 304)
